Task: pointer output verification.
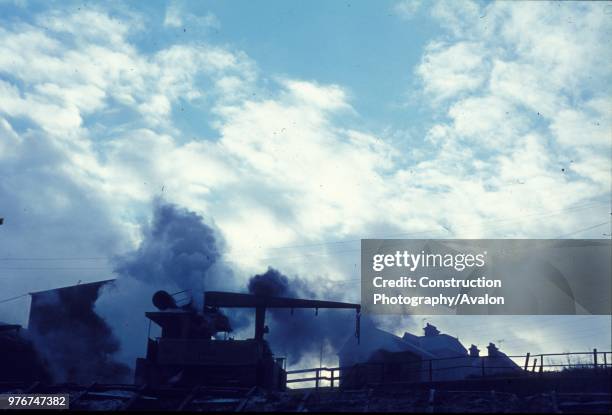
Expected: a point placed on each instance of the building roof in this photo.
(432, 345)
(441, 345)
(374, 339)
(76, 287)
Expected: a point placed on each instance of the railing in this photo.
(318, 377)
(431, 369)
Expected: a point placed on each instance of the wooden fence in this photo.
(538, 363)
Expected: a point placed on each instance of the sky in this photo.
(295, 129)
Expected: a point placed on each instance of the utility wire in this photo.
(298, 256)
(339, 282)
(13, 298)
(516, 218)
(100, 258)
(582, 230)
(50, 268)
(350, 250)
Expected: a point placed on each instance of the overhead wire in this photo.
(388, 236)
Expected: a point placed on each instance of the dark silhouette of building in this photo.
(435, 356)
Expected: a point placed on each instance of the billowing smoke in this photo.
(97, 334)
(273, 283)
(301, 333)
(178, 252)
(75, 344)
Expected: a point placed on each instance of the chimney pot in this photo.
(474, 352)
(431, 330)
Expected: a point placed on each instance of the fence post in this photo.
(541, 363)
(535, 362)
(527, 361)
(595, 358)
(605, 360)
(333, 371)
(317, 379)
(482, 367)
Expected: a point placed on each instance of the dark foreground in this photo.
(588, 392)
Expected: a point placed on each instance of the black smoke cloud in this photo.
(178, 252)
(301, 333)
(273, 283)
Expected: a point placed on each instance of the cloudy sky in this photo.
(296, 129)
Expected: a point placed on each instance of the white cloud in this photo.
(458, 17)
(448, 70)
(266, 153)
(325, 97)
(173, 16)
(407, 9)
(519, 87)
(287, 154)
(10, 139)
(89, 25)
(68, 81)
(90, 122)
(489, 122)
(176, 17)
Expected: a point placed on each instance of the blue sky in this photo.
(361, 45)
(297, 128)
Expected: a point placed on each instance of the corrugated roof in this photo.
(70, 287)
